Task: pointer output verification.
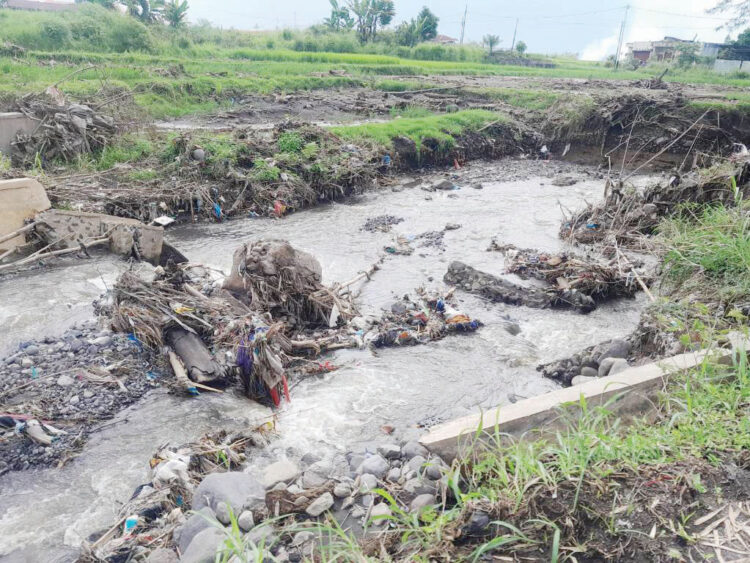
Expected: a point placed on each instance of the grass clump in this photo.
(290, 142)
(128, 148)
(441, 128)
(264, 172)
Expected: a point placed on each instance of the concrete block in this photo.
(20, 199)
(10, 125)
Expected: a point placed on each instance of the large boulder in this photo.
(239, 490)
(204, 546)
(194, 525)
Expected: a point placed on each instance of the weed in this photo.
(290, 142)
(264, 172)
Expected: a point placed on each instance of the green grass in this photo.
(443, 128)
(522, 98)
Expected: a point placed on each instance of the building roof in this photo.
(44, 5)
(444, 39)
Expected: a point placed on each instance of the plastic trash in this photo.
(217, 211)
(130, 523)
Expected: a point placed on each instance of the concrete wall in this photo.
(627, 393)
(20, 199)
(10, 125)
(75, 226)
(725, 66)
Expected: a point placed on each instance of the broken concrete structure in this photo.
(127, 236)
(20, 199)
(10, 125)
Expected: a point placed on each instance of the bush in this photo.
(55, 34)
(129, 35)
(290, 142)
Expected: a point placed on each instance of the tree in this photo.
(370, 14)
(743, 39)
(491, 41)
(521, 47)
(145, 10)
(428, 24)
(339, 19)
(737, 10)
(175, 13)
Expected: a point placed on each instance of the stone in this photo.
(312, 479)
(194, 525)
(261, 534)
(581, 379)
(102, 341)
(239, 490)
(27, 363)
(320, 504)
(452, 226)
(589, 372)
(199, 155)
(414, 448)
(246, 522)
(434, 469)
(222, 513)
(477, 524)
(416, 463)
(282, 471)
(389, 451)
(342, 490)
(421, 502)
(618, 365)
(162, 555)
(616, 349)
(32, 350)
(87, 394)
(604, 366)
(379, 514)
(74, 400)
(444, 185)
(393, 475)
(375, 464)
(302, 537)
(367, 482)
(355, 460)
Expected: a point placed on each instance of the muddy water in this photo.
(49, 511)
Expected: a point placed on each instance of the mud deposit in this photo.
(46, 512)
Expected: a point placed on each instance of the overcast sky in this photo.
(587, 27)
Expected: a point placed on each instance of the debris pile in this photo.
(627, 214)
(382, 223)
(497, 289)
(566, 272)
(65, 131)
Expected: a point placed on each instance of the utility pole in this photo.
(622, 34)
(463, 23)
(514, 36)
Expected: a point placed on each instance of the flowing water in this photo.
(48, 511)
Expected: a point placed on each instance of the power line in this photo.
(622, 35)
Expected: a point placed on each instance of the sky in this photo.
(589, 28)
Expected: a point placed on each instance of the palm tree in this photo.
(175, 13)
(491, 41)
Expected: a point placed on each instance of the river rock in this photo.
(389, 451)
(444, 185)
(194, 525)
(618, 365)
(413, 448)
(376, 465)
(302, 538)
(222, 513)
(477, 524)
(312, 479)
(604, 366)
(262, 534)
(320, 504)
(246, 522)
(239, 490)
(435, 468)
(282, 471)
(204, 546)
(379, 513)
(587, 371)
(581, 379)
(342, 490)
(420, 502)
(32, 350)
(27, 362)
(102, 341)
(162, 555)
(65, 381)
(394, 474)
(367, 482)
(199, 155)
(616, 349)
(416, 463)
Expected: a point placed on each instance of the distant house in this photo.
(45, 6)
(668, 48)
(444, 40)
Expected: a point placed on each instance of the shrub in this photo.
(55, 34)
(290, 142)
(129, 35)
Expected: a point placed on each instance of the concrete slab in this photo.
(628, 393)
(20, 199)
(124, 233)
(11, 124)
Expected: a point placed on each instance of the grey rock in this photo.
(355, 461)
(435, 468)
(378, 514)
(74, 400)
(239, 490)
(342, 490)
(604, 366)
(162, 555)
(279, 487)
(477, 524)
(581, 379)
(102, 341)
(375, 464)
(246, 522)
(414, 448)
(394, 474)
(76, 345)
(302, 537)
(618, 365)
(204, 546)
(367, 482)
(650, 209)
(367, 500)
(320, 504)
(199, 155)
(194, 525)
(222, 513)
(589, 372)
(281, 471)
(616, 349)
(27, 362)
(420, 502)
(32, 350)
(389, 451)
(312, 479)
(416, 463)
(294, 489)
(87, 394)
(262, 534)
